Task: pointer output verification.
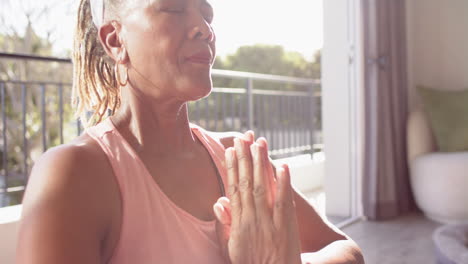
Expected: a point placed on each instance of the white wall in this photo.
(341, 91)
(437, 35)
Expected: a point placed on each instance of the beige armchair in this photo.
(439, 180)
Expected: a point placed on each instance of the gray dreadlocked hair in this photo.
(95, 87)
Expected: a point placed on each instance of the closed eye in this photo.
(207, 11)
(176, 11)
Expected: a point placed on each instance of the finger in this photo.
(290, 188)
(223, 234)
(260, 194)
(244, 159)
(283, 207)
(233, 185)
(221, 214)
(249, 136)
(224, 201)
(293, 228)
(270, 168)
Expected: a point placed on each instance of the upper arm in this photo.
(61, 221)
(315, 232)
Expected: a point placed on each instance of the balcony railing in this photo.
(36, 114)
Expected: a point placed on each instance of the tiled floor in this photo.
(404, 240)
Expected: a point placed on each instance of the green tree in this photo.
(267, 59)
(16, 74)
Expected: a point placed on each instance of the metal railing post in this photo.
(215, 110)
(197, 111)
(3, 180)
(232, 113)
(25, 131)
(43, 117)
(207, 114)
(312, 117)
(78, 127)
(60, 94)
(223, 111)
(250, 109)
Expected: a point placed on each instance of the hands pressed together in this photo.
(257, 223)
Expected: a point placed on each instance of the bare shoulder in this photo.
(226, 138)
(67, 205)
(66, 168)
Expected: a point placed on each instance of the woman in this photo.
(144, 185)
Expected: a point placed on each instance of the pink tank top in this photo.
(155, 230)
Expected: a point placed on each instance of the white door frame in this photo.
(342, 82)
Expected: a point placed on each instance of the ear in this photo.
(109, 34)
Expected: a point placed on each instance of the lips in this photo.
(201, 58)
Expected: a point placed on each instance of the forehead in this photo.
(145, 3)
(133, 7)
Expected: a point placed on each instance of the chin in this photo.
(203, 91)
(197, 90)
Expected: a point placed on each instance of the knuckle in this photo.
(230, 165)
(242, 157)
(245, 184)
(247, 226)
(280, 205)
(259, 191)
(233, 189)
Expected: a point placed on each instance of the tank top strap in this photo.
(216, 149)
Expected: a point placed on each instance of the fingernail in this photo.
(246, 136)
(224, 201)
(262, 142)
(218, 208)
(280, 170)
(228, 156)
(250, 135)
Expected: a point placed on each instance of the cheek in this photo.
(153, 38)
(162, 47)
(154, 52)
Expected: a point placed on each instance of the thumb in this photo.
(222, 213)
(223, 227)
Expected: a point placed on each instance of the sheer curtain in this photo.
(386, 188)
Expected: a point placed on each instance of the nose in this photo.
(200, 33)
(202, 30)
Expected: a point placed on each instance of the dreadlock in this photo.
(95, 88)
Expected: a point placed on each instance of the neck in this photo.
(155, 127)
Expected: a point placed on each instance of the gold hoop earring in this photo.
(117, 75)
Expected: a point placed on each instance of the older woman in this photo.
(144, 185)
